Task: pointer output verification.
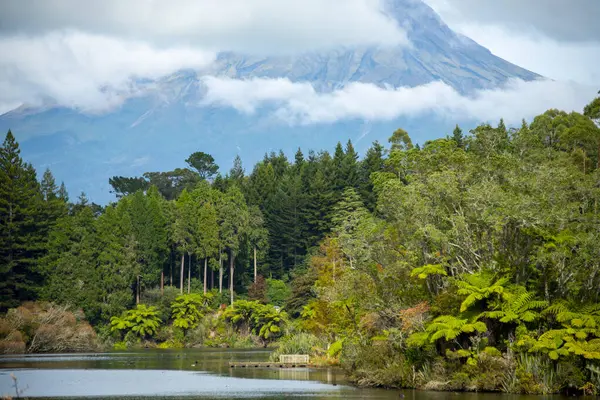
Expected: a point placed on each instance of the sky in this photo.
(88, 55)
(559, 39)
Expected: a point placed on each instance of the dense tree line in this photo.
(414, 264)
(170, 228)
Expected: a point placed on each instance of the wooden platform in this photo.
(271, 364)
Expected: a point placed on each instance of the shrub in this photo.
(170, 344)
(195, 337)
(162, 301)
(142, 321)
(258, 290)
(45, 327)
(300, 343)
(188, 310)
(264, 320)
(277, 292)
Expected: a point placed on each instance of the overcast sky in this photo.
(559, 39)
(83, 54)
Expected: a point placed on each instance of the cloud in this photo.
(557, 39)
(84, 71)
(300, 103)
(236, 25)
(550, 58)
(141, 161)
(560, 20)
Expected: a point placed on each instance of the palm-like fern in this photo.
(143, 320)
(579, 335)
(450, 327)
(480, 286)
(587, 317)
(517, 309)
(429, 269)
(188, 310)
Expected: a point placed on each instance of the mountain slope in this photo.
(157, 130)
(436, 53)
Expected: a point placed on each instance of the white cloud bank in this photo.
(236, 25)
(87, 54)
(299, 103)
(83, 71)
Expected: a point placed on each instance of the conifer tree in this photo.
(457, 136)
(20, 241)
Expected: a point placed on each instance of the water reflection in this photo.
(195, 373)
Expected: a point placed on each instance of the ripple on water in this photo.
(80, 383)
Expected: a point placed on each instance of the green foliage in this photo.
(517, 309)
(21, 244)
(143, 321)
(479, 286)
(264, 320)
(277, 292)
(124, 186)
(299, 343)
(579, 335)
(335, 348)
(188, 310)
(502, 222)
(203, 163)
(429, 269)
(449, 327)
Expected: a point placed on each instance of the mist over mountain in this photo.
(165, 120)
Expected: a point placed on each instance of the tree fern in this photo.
(142, 320)
(479, 286)
(517, 309)
(586, 317)
(579, 335)
(450, 327)
(188, 310)
(429, 269)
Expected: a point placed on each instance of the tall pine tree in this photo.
(21, 244)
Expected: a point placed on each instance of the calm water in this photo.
(189, 374)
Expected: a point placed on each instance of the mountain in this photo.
(437, 53)
(159, 128)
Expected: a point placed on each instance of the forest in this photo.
(469, 262)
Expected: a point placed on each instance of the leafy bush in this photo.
(170, 344)
(162, 301)
(188, 310)
(142, 321)
(300, 343)
(258, 290)
(264, 320)
(277, 292)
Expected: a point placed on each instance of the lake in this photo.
(189, 374)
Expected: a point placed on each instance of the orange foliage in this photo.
(328, 262)
(413, 319)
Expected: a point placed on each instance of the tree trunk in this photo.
(205, 272)
(162, 283)
(598, 155)
(231, 268)
(189, 271)
(254, 264)
(212, 278)
(181, 275)
(333, 271)
(137, 296)
(220, 272)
